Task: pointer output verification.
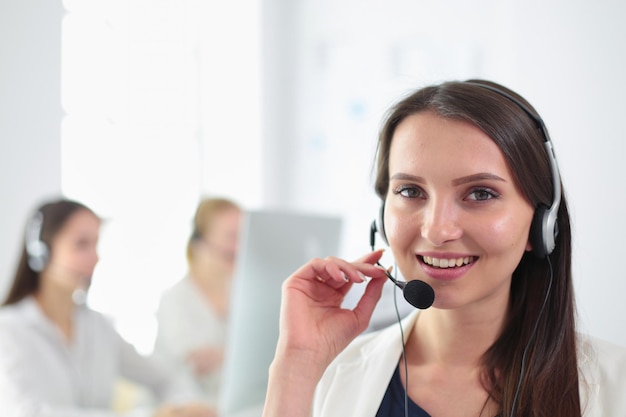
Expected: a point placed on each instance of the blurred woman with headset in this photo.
(57, 356)
(473, 212)
(193, 314)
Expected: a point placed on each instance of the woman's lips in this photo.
(446, 267)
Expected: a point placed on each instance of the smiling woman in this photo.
(473, 210)
(467, 209)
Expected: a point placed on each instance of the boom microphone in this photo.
(418, 293)
(79, 295)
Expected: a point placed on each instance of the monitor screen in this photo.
(273, 245)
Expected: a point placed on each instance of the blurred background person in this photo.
(193, 313)
(57, 356)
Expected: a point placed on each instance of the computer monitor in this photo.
(273, 245)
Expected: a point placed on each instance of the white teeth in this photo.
(448, 263)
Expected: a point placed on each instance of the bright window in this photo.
(140, 94)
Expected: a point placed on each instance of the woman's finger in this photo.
(371, 257)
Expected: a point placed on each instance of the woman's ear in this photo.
(196, 246)
(529, 246)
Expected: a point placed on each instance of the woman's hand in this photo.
(186, 410)
(205, 359)
(312, 319)
(314, 328)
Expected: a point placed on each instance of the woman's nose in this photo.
(440, 223)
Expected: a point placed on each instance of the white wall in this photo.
(576, 72)
(327, 75)
(30, 117)
(566, 57)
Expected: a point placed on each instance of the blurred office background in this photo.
(139, 107)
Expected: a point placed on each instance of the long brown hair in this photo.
(549, 384)
(54, 215)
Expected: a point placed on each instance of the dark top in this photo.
(393, 401)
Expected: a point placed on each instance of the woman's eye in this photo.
(82, 244)
(408, 191)
(482, 194)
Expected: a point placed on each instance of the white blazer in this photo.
(187, 322)
(42, 375)
(355, 383)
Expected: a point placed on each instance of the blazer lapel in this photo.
(355, 383)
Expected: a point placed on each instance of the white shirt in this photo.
(186, 321)
(355, 382)
(43, 375)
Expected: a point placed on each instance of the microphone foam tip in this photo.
(419, 294)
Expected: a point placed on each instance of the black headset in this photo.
(36, 249)
(544, 228)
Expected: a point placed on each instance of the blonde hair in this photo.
(207, 210)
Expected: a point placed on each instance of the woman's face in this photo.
(453, 215)
(222, 238)
(73, 255)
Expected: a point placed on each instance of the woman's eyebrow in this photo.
(407, 177)
(481, 176)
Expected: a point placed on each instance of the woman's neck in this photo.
(209, 280)
(214, 287)
(454, 337)
(59, 307)
(444, 354)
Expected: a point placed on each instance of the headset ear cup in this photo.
(36, 249)
(37, 255)
(380, 224)
(537, 238)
